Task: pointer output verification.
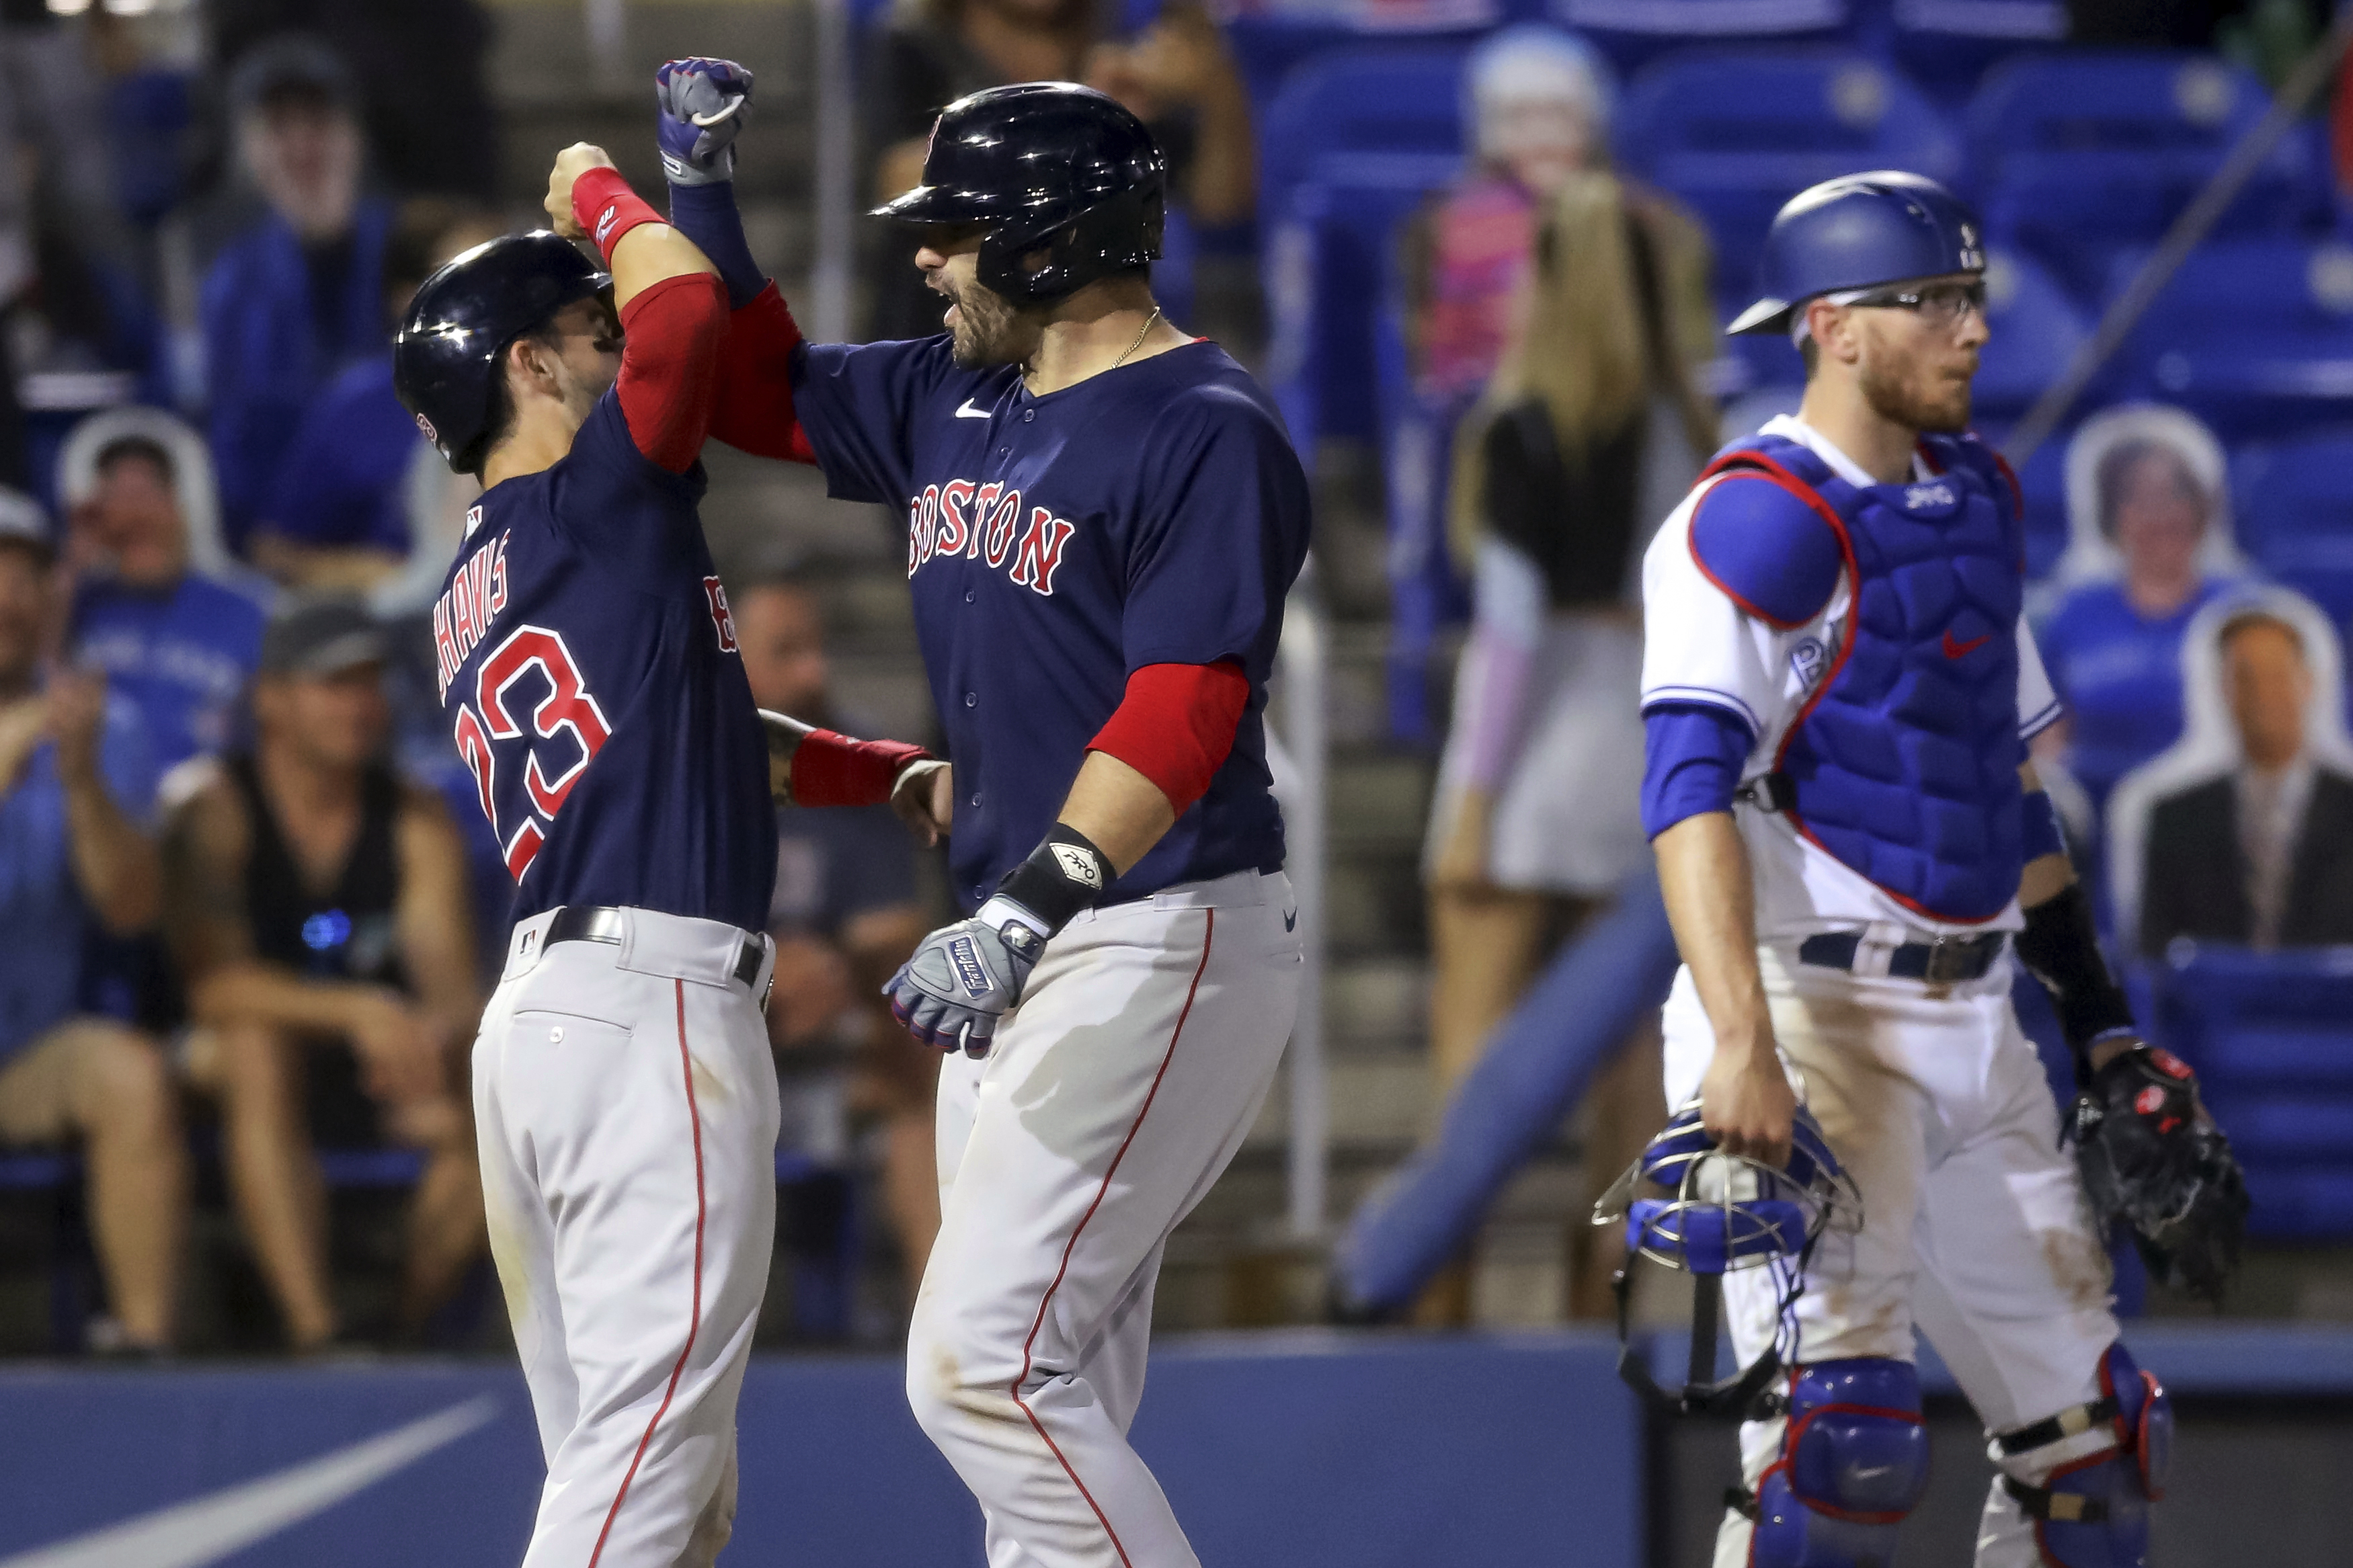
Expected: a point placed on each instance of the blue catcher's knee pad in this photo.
(1853, 1462)
(2093, 1512)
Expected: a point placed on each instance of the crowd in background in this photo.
(250, 906)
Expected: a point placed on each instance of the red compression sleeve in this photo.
(1176, 725)
(667, 358)
(831, 769)
(605, 209)
(754, 412)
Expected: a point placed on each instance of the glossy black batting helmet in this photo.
(445, 359)
(1043, 165)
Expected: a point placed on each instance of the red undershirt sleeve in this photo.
(1176, 726)
(831, 769)
(669, 361)
(754, 410)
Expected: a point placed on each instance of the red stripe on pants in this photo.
(1208, 935)
(694, 1322)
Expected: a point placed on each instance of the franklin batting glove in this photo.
(702, 104)
(963, 977)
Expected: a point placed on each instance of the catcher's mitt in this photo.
(2153, 1158)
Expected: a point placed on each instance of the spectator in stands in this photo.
(2261, 853)
(319, 908)
(422, 94)
(845, 915)
(1177, 75)
(2151, 546)
(179, 644)
(336, 514)
(76, 783)
(1539, 103)
(1591, 430)
(294, 300)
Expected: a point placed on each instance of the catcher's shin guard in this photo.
(2092, 1511)
(1854, 1461)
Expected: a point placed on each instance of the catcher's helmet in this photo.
(1043, 165)
(444, 358)
(1859, 231)
(1722, 1213)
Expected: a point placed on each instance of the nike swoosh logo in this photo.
(207, 1529)
(967, 411)
(1288, 921)
(1953, 649)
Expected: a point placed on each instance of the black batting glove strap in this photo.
(2061, 948)
(1063, 875)
(2152, 1158)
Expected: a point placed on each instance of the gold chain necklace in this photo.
(1139, 337)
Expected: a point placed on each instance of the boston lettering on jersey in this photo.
(983, 522)
(1152, 514)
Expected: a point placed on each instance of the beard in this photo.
(988, 330)
(1915, 397)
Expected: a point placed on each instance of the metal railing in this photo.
(1302, 670)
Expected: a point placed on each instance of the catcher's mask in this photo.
(1722, 1212)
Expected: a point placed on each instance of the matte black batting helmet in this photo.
(445, 359)
(1043, 165)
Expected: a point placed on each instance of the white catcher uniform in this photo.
(1973, 1225)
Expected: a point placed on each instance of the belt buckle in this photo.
(1948, 958)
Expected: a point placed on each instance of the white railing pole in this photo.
(606, 22)
(1303, 658)
(835, 103)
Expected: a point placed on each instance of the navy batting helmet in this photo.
(1859, 231)
(1043, 165)
(445, 359)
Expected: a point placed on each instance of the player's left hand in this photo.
(960, 981)
(2152, 1157)
(570, 164)
(923, 795)
(702, 103)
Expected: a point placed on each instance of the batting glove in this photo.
(964, 976)
(702, 103)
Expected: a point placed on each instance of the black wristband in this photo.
(1064, 875)
(2061, 948)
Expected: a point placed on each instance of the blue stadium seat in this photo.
(2036, 328)
(1632, 32)
(2080, 154)
(2272, 1037)
(1368, 99)
(1946, 46)
(2294, 507)
(1324, 265)
(2255, 336)
(1737, 134)
(2042, 480)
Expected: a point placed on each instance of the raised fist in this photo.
(701, 105)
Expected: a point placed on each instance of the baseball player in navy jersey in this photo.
(625, 1100)
(1103, 516)
(1838, 689)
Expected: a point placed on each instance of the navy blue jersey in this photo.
(1152, 514)
(588, 665)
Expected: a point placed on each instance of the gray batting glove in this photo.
(964, 976)
(702, 103)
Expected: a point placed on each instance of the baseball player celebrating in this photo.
(1103, 516)
(625, 1100)
(1838, 691)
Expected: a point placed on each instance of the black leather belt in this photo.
(1947, 961)
(603, 923)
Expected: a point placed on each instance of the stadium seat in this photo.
(2272, 1037)
(1735, 134)
(2042, 480)
(1325, 264)
(1368, 99)
(2036, 328)
(2294, 512)
(1632, 32)
(1946, 46)
(2255, 336)
(2078, 156)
